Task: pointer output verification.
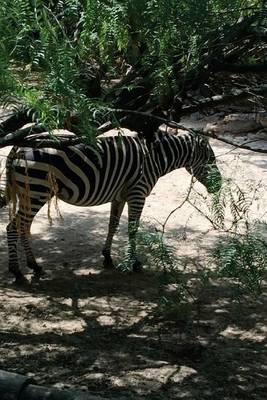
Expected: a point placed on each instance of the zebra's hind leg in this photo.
(20, 227)
(12, 241)
(26, 218)
(135, 208)
(115, 214)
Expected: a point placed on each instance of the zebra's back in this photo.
(80, 175)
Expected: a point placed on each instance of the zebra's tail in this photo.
(4, 190)
(3, 198)
(3, 187)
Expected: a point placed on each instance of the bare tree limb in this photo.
(230, 98)
(243, 145)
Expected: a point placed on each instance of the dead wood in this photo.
(15, 121)
(227, 141)
(229, 98)
(17, 138)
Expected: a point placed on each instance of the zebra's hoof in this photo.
(37, 276)
(21, 281)
(137, 266)
(19, 277)
(39, 273)
(108, 264)
(36, 269)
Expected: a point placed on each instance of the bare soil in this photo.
(88, 327)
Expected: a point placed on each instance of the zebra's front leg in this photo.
(115, 214)
(31, 262)
(135, 208)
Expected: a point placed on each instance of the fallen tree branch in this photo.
(26, 138)
(230, 98)
(15, 122)
(18, 119)
(175, 125)
(243, 145)
(55, 141)
(17, 138)
(35, 135)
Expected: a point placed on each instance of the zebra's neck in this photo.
(167, 153)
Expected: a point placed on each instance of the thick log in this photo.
(14, 138)
(34, 392)
(15, 121)
(12, 385)
(19, 387)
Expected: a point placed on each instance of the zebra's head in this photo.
(203, 165)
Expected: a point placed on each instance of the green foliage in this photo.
(228, 209)
(239, 257)
(161, 255)
(53, 53)
(243, 258)
(175, 297)
(242, 253)
(40, 65)
(106, 30)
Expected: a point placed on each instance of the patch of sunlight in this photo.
(94, 376)
(21, 299)
(105, 320)
(14, 323)
(136, 336)
(221, 311)
(29, 350)
(183, 373)
(253, 335)
(147, 379)
(87, 271)
(111, 310)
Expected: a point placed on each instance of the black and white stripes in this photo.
(117, 170)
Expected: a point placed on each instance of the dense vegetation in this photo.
(82, 58)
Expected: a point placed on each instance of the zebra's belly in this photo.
(68, 196)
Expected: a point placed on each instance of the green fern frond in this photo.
(243, 258)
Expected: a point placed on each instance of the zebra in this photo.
(119, 170)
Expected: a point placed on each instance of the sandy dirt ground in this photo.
(97, 329)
